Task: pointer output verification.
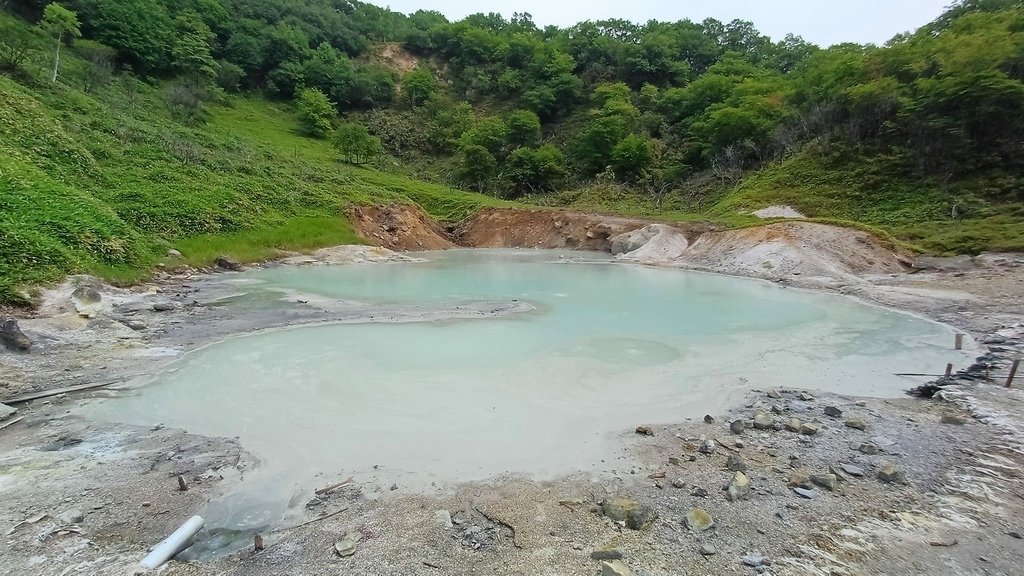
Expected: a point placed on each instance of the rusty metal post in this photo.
(959, 342)
(1013, 372)
(949, 370)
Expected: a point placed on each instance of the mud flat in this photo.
(85, 498)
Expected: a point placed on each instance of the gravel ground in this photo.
(953, 507)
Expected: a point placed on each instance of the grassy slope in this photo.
(106, 182)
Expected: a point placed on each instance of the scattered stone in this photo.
(606, 552)
(739, 488)
(943, 542)
(615, 568)
(164, 306)
(85, 299)
(656, 475)
(635, 515)
(699, 493)
(674, 461)
(772, 452)
(644, 431)
(228, 263)
(172, 253)
(707, 550)
(1016, 535)
(6, 411)
(835, 472)
(855, 471)
(776, 409)
(951, 418)
(71, 516)
(889, 473)
(774, 394)
(798, 478)
(806, 397)
(793, 425)
(856, 423)
(12, 336)
(860, 403)
(795, 463)
(754, 560)
(698, 520)
(738, 444)
(808, 493)
(444, 518)
(826, 481)
(707, 447)
(869, 448)
(709, 419)
(833, 411)
(808, 428)
(763, 421)
(737, 426)
(678, 483)
(346, 546)
(736, 463)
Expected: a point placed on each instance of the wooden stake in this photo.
(1013, 372)
(257, 542)
(959, 342)
(949, 370)
(182, 486)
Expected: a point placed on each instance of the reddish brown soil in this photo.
(522, 228)
(399, 227)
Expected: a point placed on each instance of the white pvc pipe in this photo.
(173, 544)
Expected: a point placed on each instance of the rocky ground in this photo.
(788, 483)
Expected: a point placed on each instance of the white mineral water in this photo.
(542, 393)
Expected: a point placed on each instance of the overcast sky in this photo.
(823, 22)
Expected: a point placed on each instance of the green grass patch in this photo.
(296, 234)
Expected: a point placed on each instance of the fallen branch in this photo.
(9, 422)
(56, 391)
(334, 487)
(314, 520)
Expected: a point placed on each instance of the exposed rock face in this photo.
(6, 411)
(12, 336)
(652, 243)
(399, 227)
(228, 263)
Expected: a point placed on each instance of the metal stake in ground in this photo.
(959, 342)
(1013, 371)
(949, 370)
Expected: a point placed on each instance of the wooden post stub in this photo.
(1013, 372)
(182, 486)
(949, 370)
(257, 542)
(959, 341)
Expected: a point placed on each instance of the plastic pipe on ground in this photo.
(173, 544)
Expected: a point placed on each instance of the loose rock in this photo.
(6, 411)
(644, 431)
(71, 516)
(707, 447)
(774, 394)
(228, 263)
(833, 411)
(868, 448)
(736, 463)
(889, 473)
(855, 471)
(739, 488)
(172, 253)
(698, 520)
(12, 336)
(754, 560)
(678, 483)
(806, 397)
(707, 550)
(763, 421)
(346, 546)
(635, 515)
(615, 568)
(809, 428)
(807, 493)
(606, 552)
(793, 425)
(444, 518)
(826, 481)
(709, 419)
(737, 426)
(856, 423)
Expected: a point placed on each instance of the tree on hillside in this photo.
(477, 166)
(418, 86)
(356, 144)
(190, 53)
(631, 157)
(59, 22)
(316, 112)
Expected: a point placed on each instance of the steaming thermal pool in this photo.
(545, 392)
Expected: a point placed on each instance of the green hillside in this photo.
(222, 126)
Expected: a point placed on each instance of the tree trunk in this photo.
(56, 60)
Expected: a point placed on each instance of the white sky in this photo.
(823, 22)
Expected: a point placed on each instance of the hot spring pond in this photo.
(541, 393)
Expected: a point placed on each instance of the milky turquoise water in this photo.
(541, 393)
